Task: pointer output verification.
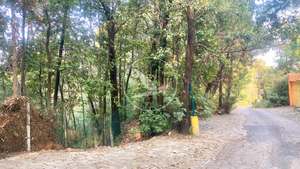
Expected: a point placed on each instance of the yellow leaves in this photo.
(181, 58)
(198, 60)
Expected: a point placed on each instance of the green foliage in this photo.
(279, 95)
(263, 104)
(153, 122)
(204, 106)
(156, 122)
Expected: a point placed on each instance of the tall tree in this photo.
(109, 11)
(23, 88)
(47, 45)
(185, 96)
(66, 7)
(14, 48)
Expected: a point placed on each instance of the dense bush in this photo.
(204, 106)
(279, 94)
(263, 104)
(156, 122)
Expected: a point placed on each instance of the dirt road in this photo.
(175, 151)
(247, 138)
(273, 142)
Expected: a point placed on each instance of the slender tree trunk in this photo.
(49, 64)
(130, 69)
(120, 79)
(104, 121)
(209, 86)
(62, 114)
(23, 89)
(61, 48)
(95, 121)
(228, 100)
(83, 121)
(73, 115)
(71, 107)
(185, 97)
(104, 102)
(221, 86)
(14, 49)
(160, 79)
(65, 127)
(154, 63)
(40, 89)
(214, 90)
(111, 136)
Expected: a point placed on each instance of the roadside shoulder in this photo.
(287, 111)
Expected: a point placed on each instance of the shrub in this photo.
(279, 95)
(205, 106)
(156, 122)
(263, 104)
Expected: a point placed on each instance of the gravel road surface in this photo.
(175, 151)
(245, 139)
(273, 142)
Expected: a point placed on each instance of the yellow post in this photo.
(195, 125)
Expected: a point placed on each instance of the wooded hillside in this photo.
(106, 63)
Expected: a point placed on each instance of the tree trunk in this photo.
(113, 79)
(40, 89)
(130, 69)
(210, 85)
(221, 85)
(104, 120)
(185, 97)
(214, 90)
(104, 102)
(71, 107)
(61, 48)
(49, 64)
(228, 99)
(95, 122)
(14, 49)
(120, 83)
(65, 127)
(160, 79)
(23, 89)
(111, 30)
(111, 136)
(83, 114)
(73, 115)
(62, 114)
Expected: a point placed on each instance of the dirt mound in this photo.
(13, 118)
(131, 137)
